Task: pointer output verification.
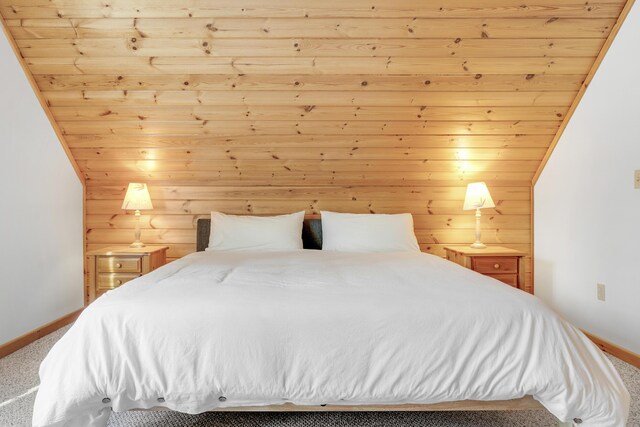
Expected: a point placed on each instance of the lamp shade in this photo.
(137, 197)
(478, 197)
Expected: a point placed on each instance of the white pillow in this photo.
(368, 232)
(259, 233)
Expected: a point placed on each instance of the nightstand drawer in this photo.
(113, 280)
(504, 264)
(113, 264)
(110, 267)
(509, 279)
(495, 265)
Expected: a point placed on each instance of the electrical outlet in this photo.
(637, 180)
(601, 292)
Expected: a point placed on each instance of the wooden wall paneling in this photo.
(307, 153)
(312, 9)
(186, 221)
(332, 27)
(301, 47)
(330, 127)
(287, 178)
(532, 234)
(310, 166)
(309, 99)
(305, 113)
(301, 141)
(316, 82)
(169, 65)
(271, 107)
(278, 205)
(177, 192)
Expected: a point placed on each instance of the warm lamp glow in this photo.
(137, 198)
(477, 198)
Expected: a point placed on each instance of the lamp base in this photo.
(137, 244)
(478, 245)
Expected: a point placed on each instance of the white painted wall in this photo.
(587, 213)
(41, 237)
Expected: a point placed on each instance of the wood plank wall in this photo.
(275, 106)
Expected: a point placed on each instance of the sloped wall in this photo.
(587, 212)
(40, 213)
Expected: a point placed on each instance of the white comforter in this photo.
(311, 327)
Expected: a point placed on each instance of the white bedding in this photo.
(313, 327)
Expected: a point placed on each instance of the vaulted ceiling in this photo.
(265, 88)
(332, 103)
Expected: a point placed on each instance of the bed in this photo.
(316, 330)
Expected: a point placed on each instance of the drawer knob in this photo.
(118, 265)
(496, 266)
(118, 282)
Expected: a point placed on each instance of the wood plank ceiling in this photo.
(271, 106)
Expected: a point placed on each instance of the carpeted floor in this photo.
(19, 382)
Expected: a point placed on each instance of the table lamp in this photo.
(477, 198)
(137, 198)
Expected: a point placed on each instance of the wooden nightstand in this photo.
(504, 264)
(110, 267)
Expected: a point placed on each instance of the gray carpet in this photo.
(19, 381)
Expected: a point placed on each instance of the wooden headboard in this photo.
(311, 233)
